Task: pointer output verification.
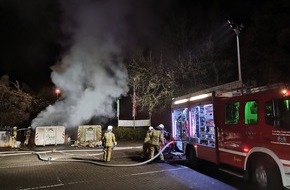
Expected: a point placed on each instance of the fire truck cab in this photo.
(245, 131)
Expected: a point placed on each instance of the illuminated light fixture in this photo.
(199, 97)
(180, 101)
(246, 149)
(284, 92)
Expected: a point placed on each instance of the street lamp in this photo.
(57, 91)
(237, 29)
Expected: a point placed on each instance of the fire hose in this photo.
(50, 159)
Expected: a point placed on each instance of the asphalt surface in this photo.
(69, 167)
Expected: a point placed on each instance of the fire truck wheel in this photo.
(265, 174)
(191, 156)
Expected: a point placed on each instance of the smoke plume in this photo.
(90, 75)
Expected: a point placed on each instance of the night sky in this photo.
(35, 34)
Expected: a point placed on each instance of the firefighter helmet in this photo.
(161, 126)
(110, 127)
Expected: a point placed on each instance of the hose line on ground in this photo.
(50, 159)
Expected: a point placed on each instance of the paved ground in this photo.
(67, 167)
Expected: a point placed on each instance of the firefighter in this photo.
(146, 144)
(14, 137)
(161, 128)
(27, 136)
(156, 138)
(109, 141)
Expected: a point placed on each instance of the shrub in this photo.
(130, 134)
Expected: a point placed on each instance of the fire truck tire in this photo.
(191, 156)
(265, 174)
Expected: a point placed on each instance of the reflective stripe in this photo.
(233, 152)
(285, 163)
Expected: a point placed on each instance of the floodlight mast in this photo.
(237, 29)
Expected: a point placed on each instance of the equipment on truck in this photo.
(246, 132)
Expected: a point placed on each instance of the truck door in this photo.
(229, 120)
(277, 126)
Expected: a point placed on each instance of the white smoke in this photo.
(91, 75)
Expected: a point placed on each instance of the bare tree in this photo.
(153, 81)
(159, 78)
(15, 105)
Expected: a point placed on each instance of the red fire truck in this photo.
(245, 131)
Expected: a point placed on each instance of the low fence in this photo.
(134, 123)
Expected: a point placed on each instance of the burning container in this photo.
(49, 135)
(5, 138)
(8, 136)
(90, 135)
